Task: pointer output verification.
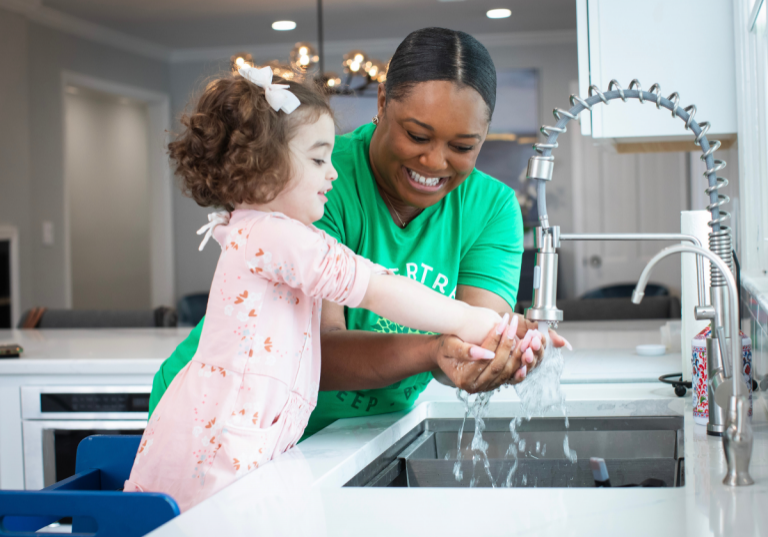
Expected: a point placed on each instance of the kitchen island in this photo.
(302, 492)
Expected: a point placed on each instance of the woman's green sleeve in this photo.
(173, 364)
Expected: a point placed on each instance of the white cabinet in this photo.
(686, 46)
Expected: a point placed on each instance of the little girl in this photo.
(263, 152)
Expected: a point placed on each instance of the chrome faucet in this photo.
(726, 382)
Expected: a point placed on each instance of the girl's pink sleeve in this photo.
(286, 251)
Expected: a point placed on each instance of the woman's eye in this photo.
(418, 139)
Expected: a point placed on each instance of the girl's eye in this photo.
(318, 161)
(417, 139)
(464, 148)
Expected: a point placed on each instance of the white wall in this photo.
(14, 142)
(106, 170)
(556, 65)
(50, 53)
(32, 59)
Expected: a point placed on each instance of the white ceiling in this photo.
(179, 24)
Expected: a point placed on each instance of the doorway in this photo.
(118, 196)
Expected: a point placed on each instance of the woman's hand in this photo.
(514, 352)
(466, 369)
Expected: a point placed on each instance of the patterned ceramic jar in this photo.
(699, 384)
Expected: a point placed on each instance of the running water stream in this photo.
(539, 394)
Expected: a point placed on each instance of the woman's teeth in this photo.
(426, 181)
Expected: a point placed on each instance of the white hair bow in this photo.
(214, 219)
(277, 96)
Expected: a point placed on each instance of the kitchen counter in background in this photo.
(104, 350)
(75, 360)
(604, 351)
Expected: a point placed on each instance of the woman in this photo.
(408, 198)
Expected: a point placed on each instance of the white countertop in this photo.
(301, 493)
(93, 351)
(609, 354)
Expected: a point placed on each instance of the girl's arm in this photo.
(411, 304)
(361, 360)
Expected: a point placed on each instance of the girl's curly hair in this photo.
(234, 148)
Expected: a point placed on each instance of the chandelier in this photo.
(305, 62)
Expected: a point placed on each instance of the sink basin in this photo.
(634, 448)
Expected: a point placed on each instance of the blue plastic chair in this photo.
(93, 497)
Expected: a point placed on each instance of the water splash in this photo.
(478, 409)
(479, 446)
(570, 454)
(539, 394)
(464, 398)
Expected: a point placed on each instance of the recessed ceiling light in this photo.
(283, 25)
(498, 13)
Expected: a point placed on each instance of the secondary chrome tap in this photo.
(727, 382)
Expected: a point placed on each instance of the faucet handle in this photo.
(723, 387)
(704, 313)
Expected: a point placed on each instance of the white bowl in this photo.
(651, 350)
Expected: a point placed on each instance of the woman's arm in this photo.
(361, 360)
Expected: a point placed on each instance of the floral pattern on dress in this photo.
(247, 394)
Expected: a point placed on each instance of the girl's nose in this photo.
(333, 175)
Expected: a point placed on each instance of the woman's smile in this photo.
(425, 182)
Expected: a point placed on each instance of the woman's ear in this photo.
(381, 99)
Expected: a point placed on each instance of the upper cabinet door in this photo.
(686, 46)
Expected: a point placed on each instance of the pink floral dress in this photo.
(248, 392)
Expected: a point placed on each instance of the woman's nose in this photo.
(434, 159)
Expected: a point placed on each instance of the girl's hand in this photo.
(477, 323)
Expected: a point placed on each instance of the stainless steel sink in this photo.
(634, 448)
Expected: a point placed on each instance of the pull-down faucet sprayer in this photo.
(722, 313)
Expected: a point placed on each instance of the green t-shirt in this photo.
(474, 236)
